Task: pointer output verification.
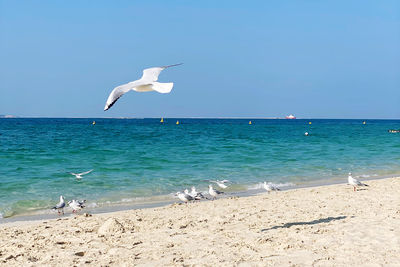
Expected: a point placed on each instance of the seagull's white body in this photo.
(79, 175)
(76, 205)
(147, 83)
(213, 192)
(196, 195)
(354, 182)
(184, 196)
(221, 184)
(60, 205)
(270, 187)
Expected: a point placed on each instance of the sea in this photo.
(139, 161)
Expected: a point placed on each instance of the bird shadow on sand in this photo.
(288, 225)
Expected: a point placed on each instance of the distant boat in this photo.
(290, 117)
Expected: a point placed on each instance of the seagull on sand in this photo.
(147, 83)
(184, 196)
(60, 206)
(196, 195)
(213, 192)
(79, 175)
(221, 184)
(354, 182)
(270, 187)
(76, 205)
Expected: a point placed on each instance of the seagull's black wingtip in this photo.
(172, 65)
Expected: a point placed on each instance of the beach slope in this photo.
(320, 226)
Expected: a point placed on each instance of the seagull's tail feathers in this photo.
(163, 88)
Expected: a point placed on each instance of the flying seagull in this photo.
(79, 175)
(147, 83)
(60, 206)
(221, 184)
(354, 182)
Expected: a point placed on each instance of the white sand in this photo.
(321, 226)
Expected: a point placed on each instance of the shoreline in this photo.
(39, 217)
(319, 226)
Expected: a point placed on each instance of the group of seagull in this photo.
(193, 195)
(186, 196)
(75, 205)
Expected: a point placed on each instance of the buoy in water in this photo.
(177, 122)
(162, 120)
(249, 122)
(364, 122)
(93, 122)
(306, 133)
(309, 122)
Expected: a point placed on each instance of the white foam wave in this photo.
(260, 185)
(92, 205)
(366, 175)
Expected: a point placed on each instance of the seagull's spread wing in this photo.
(151, 74)
(73, 174)
(119, 91)
(83, 173)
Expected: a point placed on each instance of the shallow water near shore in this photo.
(139, 161)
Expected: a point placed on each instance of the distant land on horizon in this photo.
(8, 116)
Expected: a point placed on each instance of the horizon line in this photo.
(262, 118)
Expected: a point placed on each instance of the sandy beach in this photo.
(318, 226)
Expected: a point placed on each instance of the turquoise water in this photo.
(139, 160)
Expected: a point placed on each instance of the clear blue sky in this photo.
(319, 59)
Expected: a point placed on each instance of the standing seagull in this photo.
(196, 195)
(147, 83)
(60, 205)
(79, 175)
(213, 192)
(270, 187)
(184, 196)
(354, 182)
(76, 205)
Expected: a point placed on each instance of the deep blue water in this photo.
(141, 159)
